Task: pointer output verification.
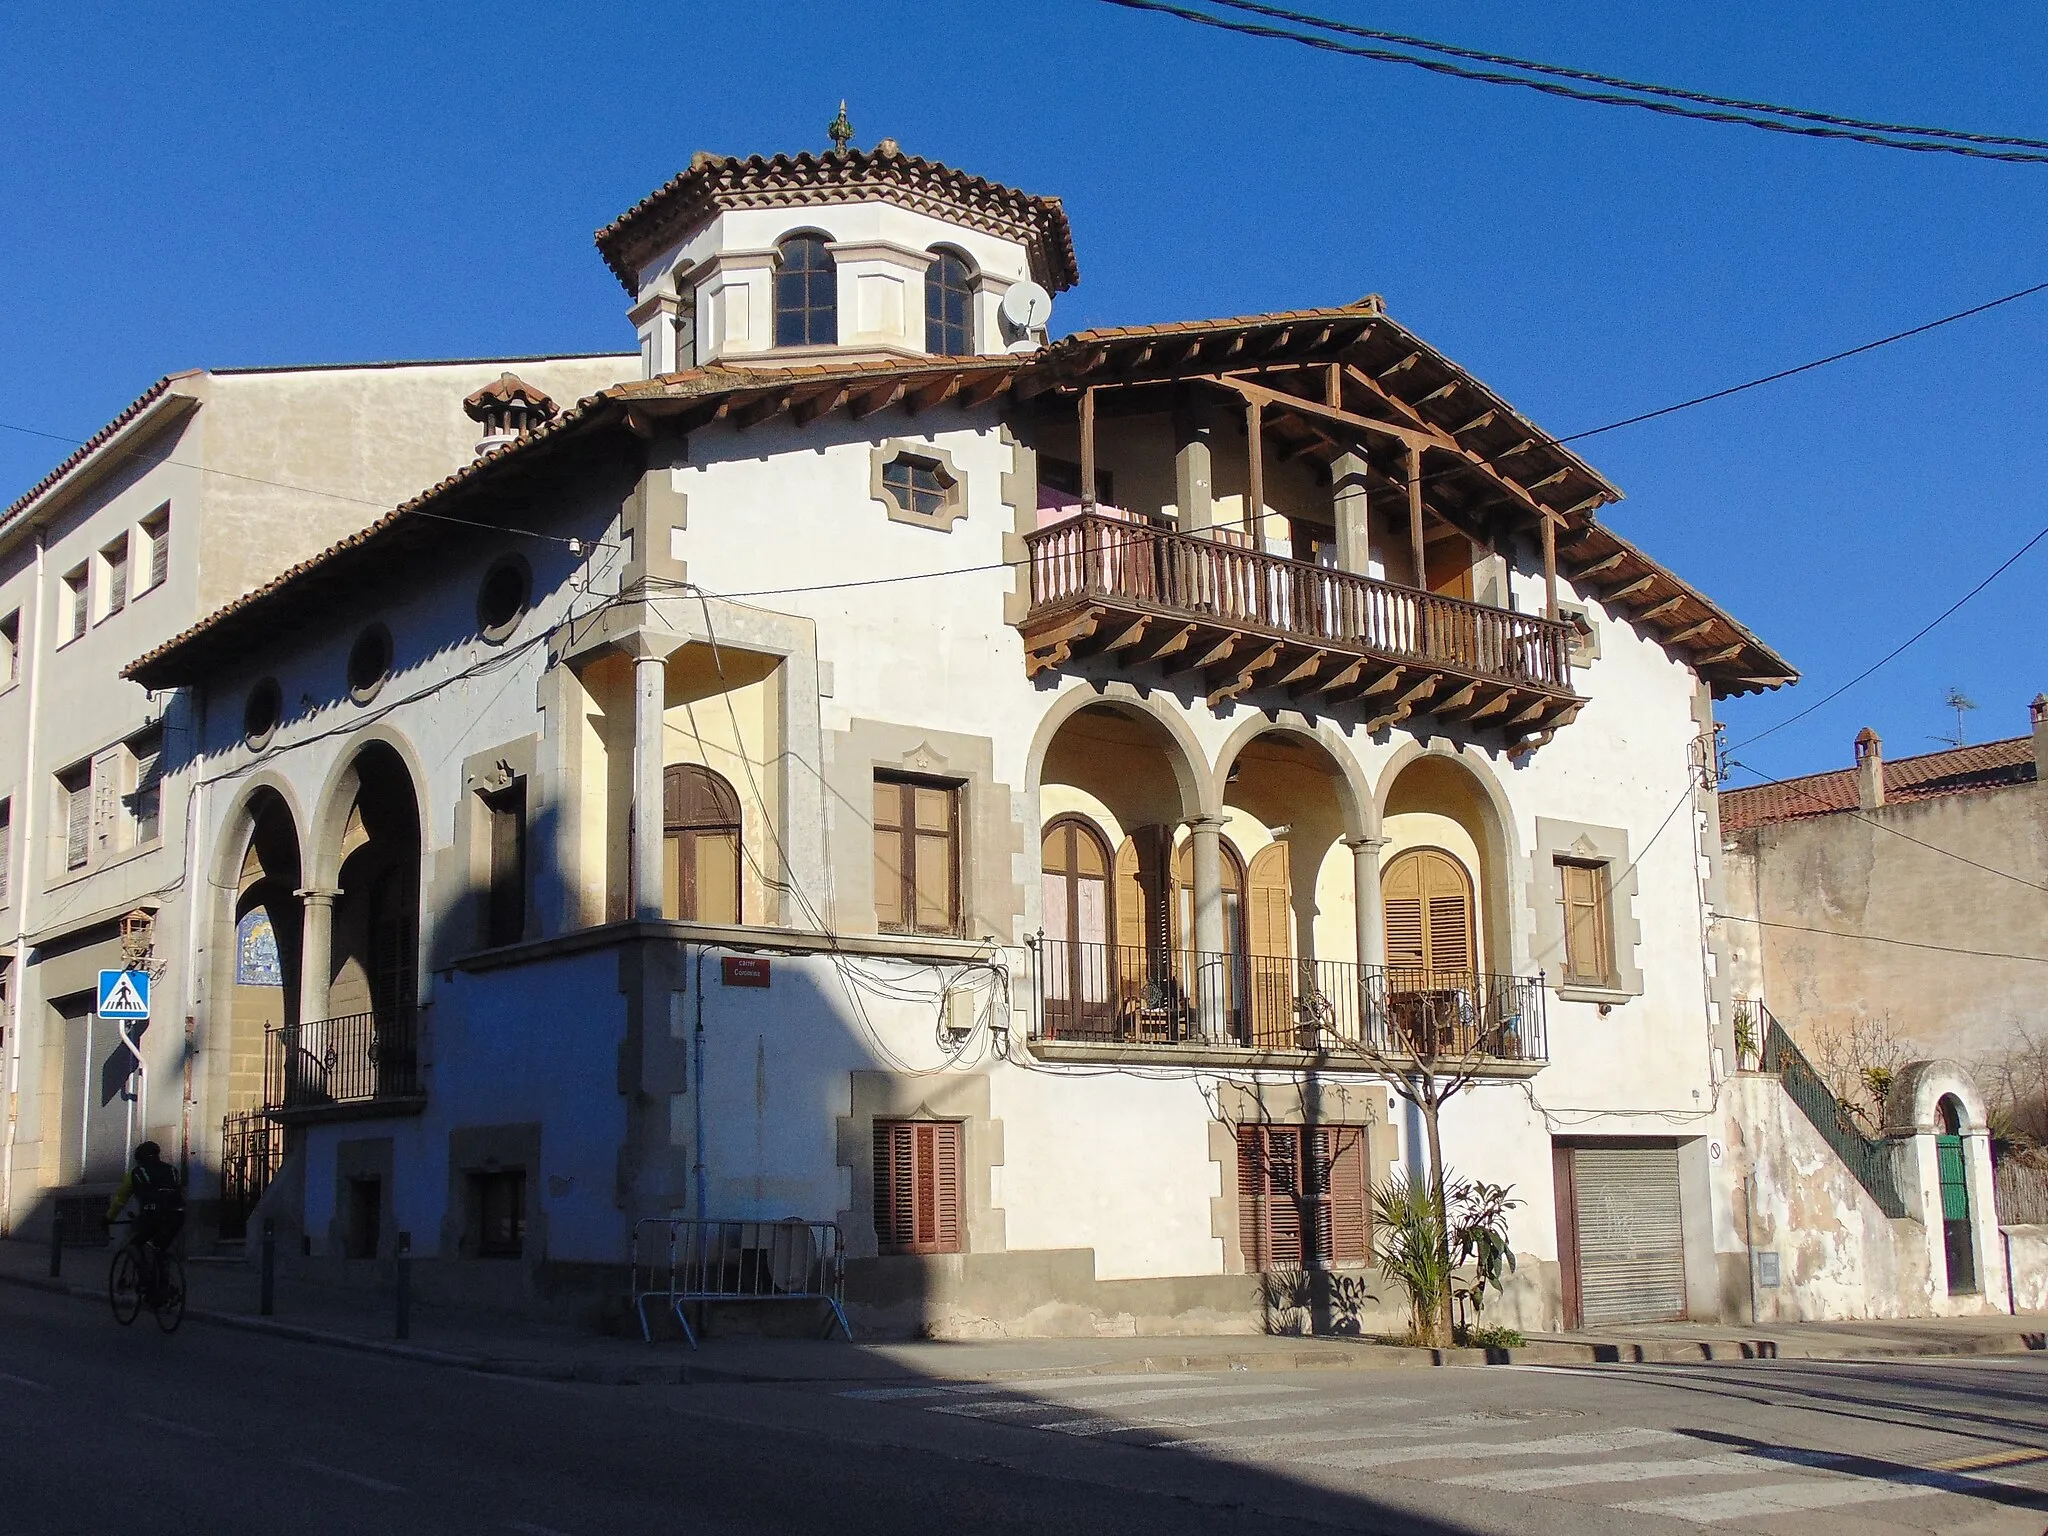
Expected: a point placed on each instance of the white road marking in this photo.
(175, 1427)
(1413, 1430)
(374, 1484)
(22, 1381)
(1043, 1386)
(1822, 1493)
(1246, 1414)
(1532, 1479)
(1592, 1444)
(1004, 1406)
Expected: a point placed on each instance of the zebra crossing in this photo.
(1283, 1424)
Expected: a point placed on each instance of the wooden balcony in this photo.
(1244, 620)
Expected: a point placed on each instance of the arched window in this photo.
(1428, 903)
(1078, 924)
(700, 878)
(948, 305)
(1233, 898)
(806, 294)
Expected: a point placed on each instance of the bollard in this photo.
(268, 1260)
(404, 1296)
(56, 1246)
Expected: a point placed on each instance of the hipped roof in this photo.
(1496, 463)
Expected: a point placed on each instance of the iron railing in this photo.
(361, 1058)
(251, 1149)
(677, 1260)
(1119, 994)
(1879, 1163)
(1109, 559)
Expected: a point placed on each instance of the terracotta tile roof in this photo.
(86, 449)
(1957, 771)
(715, 182)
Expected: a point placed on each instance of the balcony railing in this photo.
(1117, 995)
(363, 1062)
(1096, 559)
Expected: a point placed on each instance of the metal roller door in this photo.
(1631, 1244)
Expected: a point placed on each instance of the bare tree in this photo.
(1858, 1060)
(2015, 1083)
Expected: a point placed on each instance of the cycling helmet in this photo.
(149, 1152)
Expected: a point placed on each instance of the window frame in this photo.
(903, 1168)
(684, 829)
(952, 503)
(145, 751)
(154, 531)
(941, 326)
(506, 847)
(907, 785)
(6, 855)
(1599, 875)
(75, 824)
(482, 1182)
(795, 318)
(1328, 1228)
(10, 649)
(111, 565)
(77, 583)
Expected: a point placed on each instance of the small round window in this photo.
(369, 663)
(265, 707)
(502, 600)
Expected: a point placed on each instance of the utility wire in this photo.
(1878, 938)
(1672, 92)
(1792, 121)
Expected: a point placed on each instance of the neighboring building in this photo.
(207, 485)
(1088, 751)
(1944, 855)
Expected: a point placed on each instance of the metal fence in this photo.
(1139, 995)
(358, 1058)
(677, 1260)
(251, 1148)
(2021, 1189)
(1880, 1164)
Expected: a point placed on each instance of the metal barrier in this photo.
(677, 1260)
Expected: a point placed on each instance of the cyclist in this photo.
(160, 1200)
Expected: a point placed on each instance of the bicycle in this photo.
(141, 1275)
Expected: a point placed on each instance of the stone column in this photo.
(1368, 921)
(1347, 495)
(1212, 986)
(316, 951)
(650, 690)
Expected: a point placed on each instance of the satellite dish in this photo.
(1027, 307)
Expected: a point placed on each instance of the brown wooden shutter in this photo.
(1588, 950)
(1349, 1194)
(1428, 909)
(1271, 918)
(1402, 894)
(78, 820)
(159, 547)
(895, 1198)
(918, 1186)
(1269, 1174)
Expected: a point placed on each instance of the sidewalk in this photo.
(227, 1295)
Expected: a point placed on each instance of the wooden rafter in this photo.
(1439, 438)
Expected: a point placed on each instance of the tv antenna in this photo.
(1961, 703)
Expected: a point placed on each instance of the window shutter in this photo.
(117, 579)
(1428, 908)
(893, 1195)
(77, 822)
(1587, 951)
(6, 847)
(160, 551)
(945, 1155)
(918, 1186)
(1269, 1211)
(1349, 1192)
(1450, 933)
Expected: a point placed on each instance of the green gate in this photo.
(1955, 1214)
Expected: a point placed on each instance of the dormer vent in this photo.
(506, 408)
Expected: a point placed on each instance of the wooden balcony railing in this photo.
(1319, 625)
(361, 1063)
(1116, 994)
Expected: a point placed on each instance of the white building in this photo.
(1104, 758)
(209, 484)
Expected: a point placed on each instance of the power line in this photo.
(1878, 938)
(1672, 92)
(1898, 650)
(1796, 788)
(1661, 100)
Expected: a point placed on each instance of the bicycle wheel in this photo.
(124, 1286)
(170, 1303)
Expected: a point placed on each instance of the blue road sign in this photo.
(124, 995)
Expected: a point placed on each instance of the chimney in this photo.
(2038, 711)
(505, 409)
(1869, 769)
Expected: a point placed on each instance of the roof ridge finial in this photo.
(840, 129)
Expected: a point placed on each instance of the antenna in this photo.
(1960, 702)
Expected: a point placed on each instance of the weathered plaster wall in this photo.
(2027, 1255)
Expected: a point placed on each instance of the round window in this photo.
(501, 601)
(369, 663)
(265, 707)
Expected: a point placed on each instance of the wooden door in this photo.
(1076, 873)
(1270, 978)
(1431, 994)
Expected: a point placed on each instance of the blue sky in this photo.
(231, 184)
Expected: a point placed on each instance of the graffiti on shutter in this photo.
(1631, 1241)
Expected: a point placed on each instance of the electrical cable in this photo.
(1878, 938)
(1792, 121)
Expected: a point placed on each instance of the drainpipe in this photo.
(25, 866)
(698, 1050)
(1749, 1244)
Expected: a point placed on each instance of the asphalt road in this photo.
(106, 1430)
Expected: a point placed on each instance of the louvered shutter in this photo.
(6, 847)
(1347, 1190)
(1252, 1237)
(1428, 910)
(77, 821)
(1450, 932)
(918, 1186)
(1269, 1205)
(895, 1199)
(1631, 1242)
(1587, 952)
(159, 548)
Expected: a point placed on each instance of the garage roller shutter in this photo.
(1631, 1245)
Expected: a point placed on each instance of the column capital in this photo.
(1366, 844)
(319, 895)
(1206, 822)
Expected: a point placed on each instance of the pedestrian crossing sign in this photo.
(124, 995)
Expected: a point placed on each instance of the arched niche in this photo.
(1446, 801)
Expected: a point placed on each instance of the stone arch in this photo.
(1355, 797)
(255, 925)
(1912, 1106)
(1492, 831)
(1189, 762)
(337, 797)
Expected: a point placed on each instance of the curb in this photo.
(1345, 1356)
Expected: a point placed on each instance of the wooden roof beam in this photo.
(880, 398)
(774, 403)
(808, 407)
(925, 396)
(1313, 411)
(1438, 438)
(1690, 632)
(1640, 584)
(1658, 610)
